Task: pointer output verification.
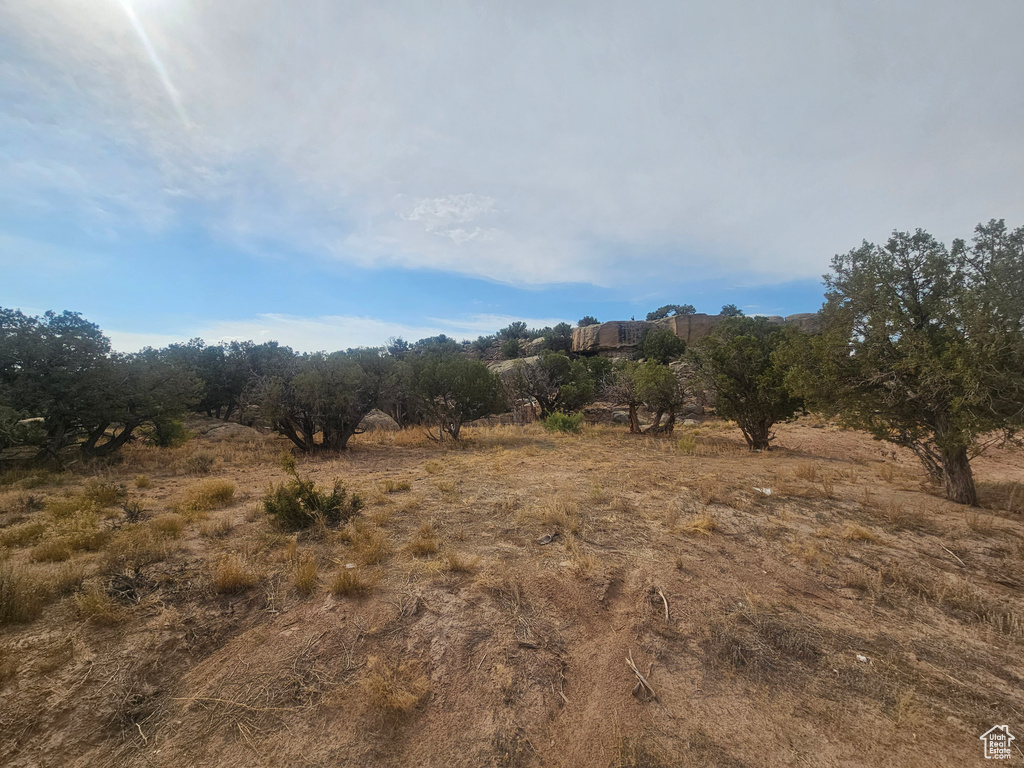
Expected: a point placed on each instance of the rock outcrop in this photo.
(623, 336)
(377, 421)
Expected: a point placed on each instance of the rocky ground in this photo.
(815, 605)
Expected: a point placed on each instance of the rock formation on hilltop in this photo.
(622, 336)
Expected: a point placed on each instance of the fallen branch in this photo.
(642, 680)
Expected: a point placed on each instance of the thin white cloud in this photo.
(585, 142)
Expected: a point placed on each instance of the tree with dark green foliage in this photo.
(923, 346)
(510, 349)
(658, 388)
(737, 364)
(59, 367)
(453, 390)
(660, 345)
(671, 309)
(586, 320)
(325, 395)
(731, 310)
(558, 338)
(516, 330)
(621, 390)
(555, 382)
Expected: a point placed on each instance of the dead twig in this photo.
(957, 558)
(665, 601)
(642, 680)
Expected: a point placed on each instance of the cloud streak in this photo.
(523, 143)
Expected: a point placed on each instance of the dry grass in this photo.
(708, 489)
(703, 524)
(425, 542)
(451, 561)
(396, 486)
(859, 533)
(350, 582)
(96, 606)
(21, 598)
(369, 544)
(433, 467)
(806, 471)
(900, 518)
(232, 574)
(169, 524)
(142, 482)
(101, 494)
(208, 495)
(306, 576)
(392, 688)
(217, 528)
(22, 535)
(979, 523)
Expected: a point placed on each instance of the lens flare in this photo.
(158, 65)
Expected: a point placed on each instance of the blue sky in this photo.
(331, 174)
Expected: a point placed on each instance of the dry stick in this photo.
(665, 601)
(144, 739)
(640, 677)
(957, 558)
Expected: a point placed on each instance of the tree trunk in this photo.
(757, 434)
(958, 478)
(634, 420)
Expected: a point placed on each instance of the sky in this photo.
(331, 174)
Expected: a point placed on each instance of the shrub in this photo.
(349, 583)
(199, 463)
(102, 494)
(586, 320)
(298, 503)
(563, 422)
(141, 481)
(22, 535)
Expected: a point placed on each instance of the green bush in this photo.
(563, 422)
(297, 504)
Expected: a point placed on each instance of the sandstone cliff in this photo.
(624, 335)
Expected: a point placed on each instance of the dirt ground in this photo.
(815, 605)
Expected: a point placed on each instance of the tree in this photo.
(731, 310)
(555, 382)
(559, 338)
(923, 346)
(326, 395)
(659, 389)
(737, 364)
(516, 330)
(453, 390)
(621, 389)
(661, 345)
(586, 320)
(671, 309)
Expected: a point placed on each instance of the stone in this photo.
(507, 366)
(620, 417)
(378, 421)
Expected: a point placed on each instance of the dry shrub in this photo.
(424, 543)
(20, 504)
(857, 533)
(21, 599)
(433, 467)
(199, 463)
(350, 582)
(102, 495)
(62, 509)
(168, 524)
(208, 495)
(708, 489)
(392, 688)
(141, 481)
(687, 444)
(232, 574)
(448, 488)
(27, 479)
(98, 607)
(760, 641)
(703, 524)
(560, 514)
(22, 535)
(306, 576)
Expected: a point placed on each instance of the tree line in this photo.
(923, 346)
